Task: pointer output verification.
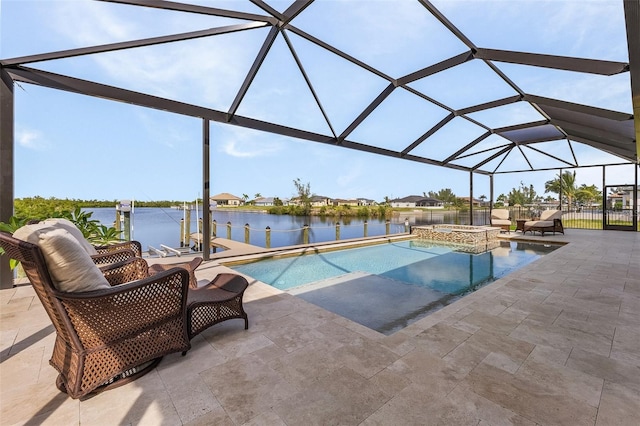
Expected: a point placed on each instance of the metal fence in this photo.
(583, 218)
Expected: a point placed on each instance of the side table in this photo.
(520, 224)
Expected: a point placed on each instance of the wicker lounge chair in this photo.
(500, 218)
(106, 334)
(207, 305)
(105, 256)
(550, 221)
(217, 301)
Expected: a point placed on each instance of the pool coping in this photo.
(323, 247)
(233, 257)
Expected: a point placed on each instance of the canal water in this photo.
(154, 226)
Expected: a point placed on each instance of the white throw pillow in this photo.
(73, 230)
(70, 266)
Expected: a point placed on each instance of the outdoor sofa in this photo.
(550, 221)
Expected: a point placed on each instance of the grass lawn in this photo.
(592, 224)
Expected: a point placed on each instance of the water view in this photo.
(154, 226)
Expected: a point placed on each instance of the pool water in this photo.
(388, 286)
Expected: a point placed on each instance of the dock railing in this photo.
(303, 235)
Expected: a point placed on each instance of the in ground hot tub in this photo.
(485, 236)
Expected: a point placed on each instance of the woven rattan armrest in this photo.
(131, 245)
(104, 316)
(131, 269)
(190, 266)
(113, 256)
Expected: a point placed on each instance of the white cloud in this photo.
(398, 37)
(31, 139)
(247, 144)
(189, 71)
(89, 23)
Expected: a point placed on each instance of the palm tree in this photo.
(258, 195)
(564, 185)
(245, 197)
(588, 194)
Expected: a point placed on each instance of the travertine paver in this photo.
(554, 343)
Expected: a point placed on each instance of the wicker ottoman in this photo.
(215, 302)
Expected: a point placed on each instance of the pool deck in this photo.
(555, 343)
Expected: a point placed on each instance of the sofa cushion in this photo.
(73, 230)
(70, 266)
(538, 224)
(551, 215)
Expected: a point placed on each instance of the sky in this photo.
(79, 147)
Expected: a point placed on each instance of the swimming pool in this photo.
(388, 286)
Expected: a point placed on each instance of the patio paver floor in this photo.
(557, 342)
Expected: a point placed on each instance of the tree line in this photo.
(572, 193)
(41, 208)
(565, 183)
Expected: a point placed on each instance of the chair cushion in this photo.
(500, 214)
(70, 266)
(73, 230)
(500, 222)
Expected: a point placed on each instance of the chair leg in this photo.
(60, 384)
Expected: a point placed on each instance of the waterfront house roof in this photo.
(417, 201)
(409, 199)
(264, 200)
(316, 198)
(431, 200)
(225, 196)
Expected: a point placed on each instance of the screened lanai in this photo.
(486, 88)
